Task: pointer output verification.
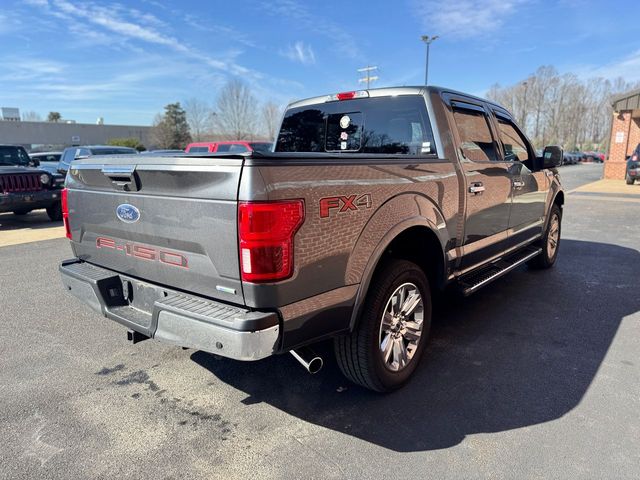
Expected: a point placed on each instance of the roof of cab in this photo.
(393, 91)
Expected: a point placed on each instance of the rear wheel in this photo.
(550, 241)
(630, 180)
(386, 346)
(55, 212)
(21, 212)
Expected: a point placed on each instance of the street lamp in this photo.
(524, 109)
(428, 40)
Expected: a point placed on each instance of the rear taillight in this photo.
(65, 212)
(266, 231)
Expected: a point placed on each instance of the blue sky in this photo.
(124, 60)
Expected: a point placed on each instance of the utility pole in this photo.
(428, 40)
(369, 78)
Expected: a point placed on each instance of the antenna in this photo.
(369, 78)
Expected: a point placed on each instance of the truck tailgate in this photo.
(165, 219)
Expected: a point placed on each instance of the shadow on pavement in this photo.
(521, 352)
(33, 220)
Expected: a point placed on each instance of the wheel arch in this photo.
(415, 240)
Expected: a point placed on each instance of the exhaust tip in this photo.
(315, 365)
(308, 359)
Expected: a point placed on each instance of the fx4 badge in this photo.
(344, 203)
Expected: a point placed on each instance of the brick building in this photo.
(625, 133)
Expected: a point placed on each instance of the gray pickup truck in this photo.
(371, 203)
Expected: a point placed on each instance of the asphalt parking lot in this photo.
(536, 376)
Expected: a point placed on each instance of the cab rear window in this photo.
(198, 150)
(384, 125)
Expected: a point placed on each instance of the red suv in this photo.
(237, 146)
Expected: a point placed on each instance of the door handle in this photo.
(476, 188)
(518, 184)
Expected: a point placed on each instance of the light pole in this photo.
(428, 40)
(524, 110)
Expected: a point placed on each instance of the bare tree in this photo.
(271, 116)
(31, 117)
(236, 111)
(563, 109)
(200, 118)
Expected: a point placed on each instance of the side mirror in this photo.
(552, 156)
(34, 162)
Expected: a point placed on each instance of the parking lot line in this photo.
(33, 227)
(609, 186)
(17, 237)
(603, 197)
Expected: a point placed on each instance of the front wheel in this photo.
(55, 212)
(629, 180)
(389, 340)
(550, 241)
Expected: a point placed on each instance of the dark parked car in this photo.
(48, 161)
(633, 166)
(23, 187)
(572, 158)
(73, 153)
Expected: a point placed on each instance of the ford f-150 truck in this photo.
(371, 203)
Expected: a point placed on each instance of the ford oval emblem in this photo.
(128, 213)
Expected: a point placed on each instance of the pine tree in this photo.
(171, 130)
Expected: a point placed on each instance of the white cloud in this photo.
(627, 67)
(118, 23)
(465, 18)
(153, 63)
(9, 23)
(301, 18)
(29, 68)
(299, 52)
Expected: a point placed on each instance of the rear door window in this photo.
(198, 150)
(382, 125)
(477, 143)
(225, 147)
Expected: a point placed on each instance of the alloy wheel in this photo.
(401, 327)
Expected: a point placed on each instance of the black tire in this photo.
(629, 180)
(548, 256)
(359, 354)
(21, 212)
(55, 212)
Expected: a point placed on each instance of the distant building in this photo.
(58, 135)
(10, 114)
(625, 133)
